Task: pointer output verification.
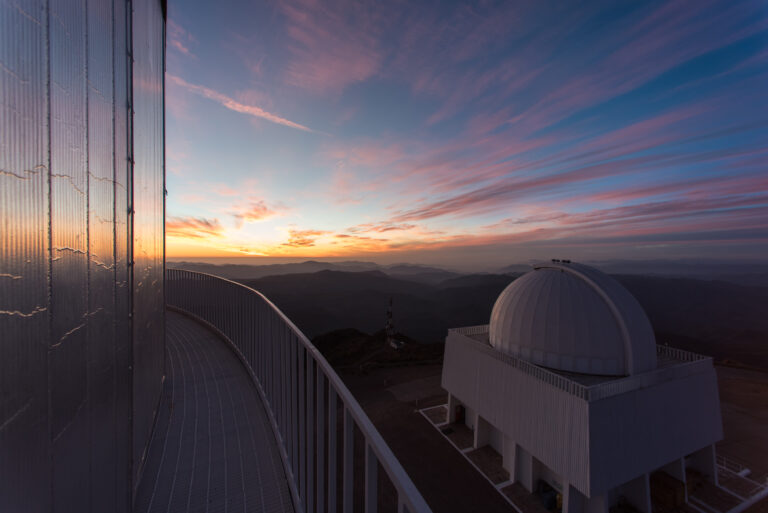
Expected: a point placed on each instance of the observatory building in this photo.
(568, 384)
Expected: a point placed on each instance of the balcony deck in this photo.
(213, 448)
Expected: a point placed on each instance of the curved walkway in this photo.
(213, 448)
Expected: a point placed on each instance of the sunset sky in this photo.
(473, 133)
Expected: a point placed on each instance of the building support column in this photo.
(452, 404)
(638, 493)
(509, 458)
(524, 468)
(676, 469)
(704, 461)
(596, 504)
(482, 432)
(573, 500)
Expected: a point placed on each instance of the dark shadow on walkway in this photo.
(213, 448)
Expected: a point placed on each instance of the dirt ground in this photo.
(450, 484)
(744, 405)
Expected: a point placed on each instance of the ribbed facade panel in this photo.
(652, 426)
(122, 332)
(67, 375)
(24, 249)
(148, 221)
(595, 441)
(549, 423)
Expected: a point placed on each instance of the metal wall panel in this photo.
(652, 426)
(100, 332)
(67, 378)
(511, 400)
(68, 357)
(148, 223)
(597, 444)
(24, 440)
(123, 343)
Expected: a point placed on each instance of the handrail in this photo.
(678, 354)
(689, 362)
(300, 390)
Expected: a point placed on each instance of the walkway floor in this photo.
(213, 449)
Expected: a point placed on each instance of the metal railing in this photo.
(678, 354)
(304, 397)
(551, 378)
(689, 363)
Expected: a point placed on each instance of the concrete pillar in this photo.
(452, 404)
(704, 461)
(596, 504)
(573, 500)
(638, 493)
(470, 417)
(524, 468)
(676, 469)
(509, 457)
(482, 432)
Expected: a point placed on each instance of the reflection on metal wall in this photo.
(73, 381)
(148, 220)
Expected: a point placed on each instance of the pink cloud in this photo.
(334, 44)
(234, 105)
(192, 227)
(179, 38)
(381, 227)
(303, 238)
(254, 211)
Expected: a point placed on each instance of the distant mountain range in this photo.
(328, 300)
(723, 319)
(419, 273)
(744, 273)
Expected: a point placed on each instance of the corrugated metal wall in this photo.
(594, 445)
(511, 400)
(148, 221)
(69, 387)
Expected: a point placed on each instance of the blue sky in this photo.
(472, 133)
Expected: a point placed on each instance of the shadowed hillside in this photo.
(718, 318)
(721, 319)
(329, 300)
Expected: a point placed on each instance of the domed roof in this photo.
(574, 318)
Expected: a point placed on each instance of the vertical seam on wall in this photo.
(129, 235)
(165, 191)
(88, 330)
(115, 313)
(50, 255)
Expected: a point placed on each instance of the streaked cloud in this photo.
(179, 39)
(303, 238)
(332, 44)
(192, 227)
(256, 210)
(234, 105)
(593, 126)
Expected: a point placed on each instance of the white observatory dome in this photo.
(574, 318)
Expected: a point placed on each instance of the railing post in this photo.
(302, 469)
(348, 462)
(310, 503)
(320, 452)
(284, 372)
(294, 435)
(371, 480)
(332, 414)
